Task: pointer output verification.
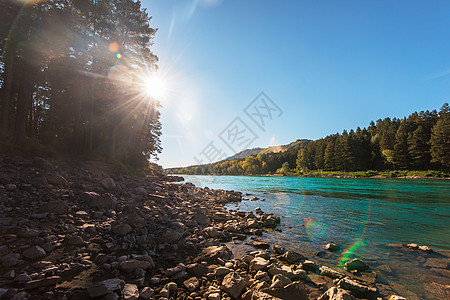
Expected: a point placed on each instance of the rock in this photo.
(192, 284)
(11, 187)
(57, 207)
(309, 265)
(9, 275)
(39, 216)
(261, 245)
(332, 247)
(214, 296)
(172, 271)
(220, 271)
(34, 252)
(291, 257)
(356, 265)
(147, 292)
(22, 278)
(279, 281)
(269, 220)
(396, 297)
(129, 266)
(130, 292)
(197, 270)
(121, 229)
(11, 259)
(56, 179)
(211, 232)
(356, 288)
(104, 287)
(210, 254)
(105, 201)
(172, 236)
(325, 271)
(81, 214)
(109, 184)
(257, 295)
(425, 249)
(233, 284)
(334, 293)
(278, 249)
(293, 291)
(74, 240)
(258, 263)
(49, 281)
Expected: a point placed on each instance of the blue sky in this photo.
(328, 65)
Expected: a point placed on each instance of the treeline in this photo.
(72, 75)
(419, 142)
(251, 165)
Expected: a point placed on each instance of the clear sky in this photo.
(327, 65)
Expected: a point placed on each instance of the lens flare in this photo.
(315, 229)
(347, 253)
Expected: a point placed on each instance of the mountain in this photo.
(273, 149)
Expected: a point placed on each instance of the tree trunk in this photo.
(10, 56)
(23, 103)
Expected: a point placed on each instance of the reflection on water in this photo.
(363, 216)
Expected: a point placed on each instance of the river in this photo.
(367, 218)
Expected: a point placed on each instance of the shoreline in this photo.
(339, 176)
(88, 232)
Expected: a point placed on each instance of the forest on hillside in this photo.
(72, 75)
(420, 141)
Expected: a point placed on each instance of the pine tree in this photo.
(400, 153)
(440, 138)
(418, 148)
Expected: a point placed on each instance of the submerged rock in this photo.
(356, 265)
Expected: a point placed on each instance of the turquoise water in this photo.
(368, 218)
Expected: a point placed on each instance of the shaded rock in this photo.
(57, 207)
(257, 295)
(129, 266)
(197, 270)
(22, 278)
(147, 292)
(121, 229)
(130, 292)
(172, 236)
(34, 252)
(49, 281)
(58, 180)
(74, 240)
(233, 284)
(11, 259)
(356, 265)
(335, 293)
(108, 183)
(211, 232)
(104, 201)
(192, 284)
(106, 286)
(332, 247)
(309, 265)
(222, 271)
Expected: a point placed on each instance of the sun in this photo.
(154, 86)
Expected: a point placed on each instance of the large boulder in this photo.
(291, 257)
(34, 252)
(258, 263)
(121, 229)
(233, 284)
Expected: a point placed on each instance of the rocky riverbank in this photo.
(91, 232)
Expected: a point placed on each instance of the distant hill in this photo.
(273, 149)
